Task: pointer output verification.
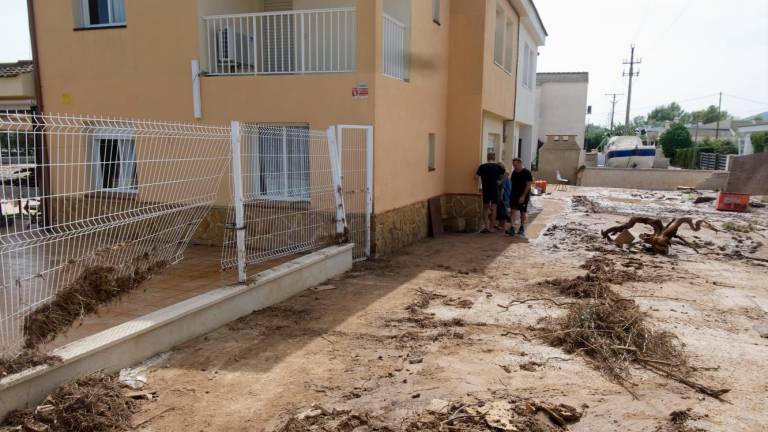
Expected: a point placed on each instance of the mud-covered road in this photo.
(395, 338)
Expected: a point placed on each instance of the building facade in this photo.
(532, 36)
(437, 80)
(561, 104)
(17, 86)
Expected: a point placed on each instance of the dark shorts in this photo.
(490, 196)
(515, 203)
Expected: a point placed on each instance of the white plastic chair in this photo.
(562, 183)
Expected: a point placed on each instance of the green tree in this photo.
(722, 146)
(759, 141)
(708, 115)
(639, 121)
(594, 135)
(664, 113)
(674, 138)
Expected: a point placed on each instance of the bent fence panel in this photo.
(83, 193)
(289, 189)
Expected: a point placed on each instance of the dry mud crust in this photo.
(508, 414)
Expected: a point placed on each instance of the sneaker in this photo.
(521, 231)
(485, 231)
(510, 232)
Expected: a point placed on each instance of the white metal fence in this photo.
(290, 42)
(394, 48)
(356, 153)
(287, 194)
(81, 192)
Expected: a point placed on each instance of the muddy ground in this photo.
(391, 336)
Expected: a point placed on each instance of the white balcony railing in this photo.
(291, 42)
(394, 48)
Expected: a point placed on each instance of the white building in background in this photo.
(561, 104)
(532, 36)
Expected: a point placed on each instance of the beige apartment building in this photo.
(436, 79)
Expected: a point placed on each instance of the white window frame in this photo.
(86, 14)
(255, 165)
(498, 36)
(532, 67)
(508, 45)
(526, 61)
(96, 163)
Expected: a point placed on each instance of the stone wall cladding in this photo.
(399, 228)
(461, 212)
(212, 228)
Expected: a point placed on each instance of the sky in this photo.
(691, 50)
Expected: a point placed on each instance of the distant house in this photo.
(737, 131)
(17, 86)
(744, 131)
(561, 104)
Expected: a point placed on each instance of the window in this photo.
(113, 163)
(531, 69)
(492, 145)
(498, 43)
(526, 60)
(99, 13)
(509, 48)
(280, 162)
(436, 11)
(431, 165)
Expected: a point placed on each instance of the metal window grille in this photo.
(286, 187)
(394, 50)
(79, 192)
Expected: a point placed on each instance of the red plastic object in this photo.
(541, 185)
(732, 202)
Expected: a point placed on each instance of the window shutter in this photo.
(278, 5)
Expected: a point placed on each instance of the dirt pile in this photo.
(595, 284)
(24, 360)
(96, 285)
(679, 421)
(507, 414)
(94, 403)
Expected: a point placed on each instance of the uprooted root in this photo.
(94, 403)
(663, 235)
(95, 286)
(24, 360)
(501, 414)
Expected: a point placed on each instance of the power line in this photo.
(746, 99)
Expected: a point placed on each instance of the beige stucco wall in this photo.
(407, 112)
(562, 109)
(653, 179)
(21, 86)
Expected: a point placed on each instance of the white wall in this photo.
(562, 108)
(524, 104)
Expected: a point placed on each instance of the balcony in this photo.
(286, 42)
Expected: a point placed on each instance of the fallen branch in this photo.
(544, 299)
(701, 388)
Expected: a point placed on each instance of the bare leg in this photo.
(512, 212)
(522, 218)
(491, 217)
(485, 216)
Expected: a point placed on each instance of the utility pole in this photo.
(719, 111)
(631, 75)
(613, 105)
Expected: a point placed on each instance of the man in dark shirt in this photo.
(490, 174)
(521, 179)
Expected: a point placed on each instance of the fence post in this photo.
(237, 191)
(338, 193)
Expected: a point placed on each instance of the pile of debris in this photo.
(26, 359)
(614, 333)
(96, 285)
(504, 414)
(94, 403)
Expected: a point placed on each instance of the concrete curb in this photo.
(141, 338)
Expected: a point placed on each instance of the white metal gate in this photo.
(356, 152)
